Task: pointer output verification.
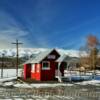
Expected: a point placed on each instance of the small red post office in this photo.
(42, 67)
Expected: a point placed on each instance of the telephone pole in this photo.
(2, 65)
(17, 55)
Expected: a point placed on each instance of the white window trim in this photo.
(48, 68)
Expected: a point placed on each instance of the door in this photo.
(28, 71)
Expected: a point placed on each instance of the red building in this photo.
(42, 67)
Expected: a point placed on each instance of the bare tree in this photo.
(93, 47)
(84, 57)
(89, 53)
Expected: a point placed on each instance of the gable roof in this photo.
(40, 56)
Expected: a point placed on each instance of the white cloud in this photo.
(9, 30)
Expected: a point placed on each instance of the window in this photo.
(45, 65)
(51, 57)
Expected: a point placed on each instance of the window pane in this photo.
(46, 65)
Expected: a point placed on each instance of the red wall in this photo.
(27, 71)
(44, 75)
(24, 71)
(47, 75)
(39, 73)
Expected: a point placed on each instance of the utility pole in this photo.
(2, 65)
(17, 55)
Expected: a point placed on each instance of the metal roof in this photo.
(65, 58)
(39, 57)
(61, 58)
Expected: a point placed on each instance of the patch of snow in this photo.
(5, 99)
(13, 99)
(18, 99)
(8, 84)
(49, 85)
(64, 97)
(22, 85)
(8, 79)
(40, 85)
(10, 73)
(92, 82)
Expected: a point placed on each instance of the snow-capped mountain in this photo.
(29, 51)
(22, 51)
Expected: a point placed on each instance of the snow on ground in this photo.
(10, 73)
(44, 85)
(40, 85)
(7, 79)
(44, 98)
(10, 76)
(55, 97)
(15, 99)
(48, 85)
(24, 85)
(91, 82)
(67, 73)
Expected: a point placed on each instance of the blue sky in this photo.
(48, 23)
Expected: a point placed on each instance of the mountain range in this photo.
(33, 51)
